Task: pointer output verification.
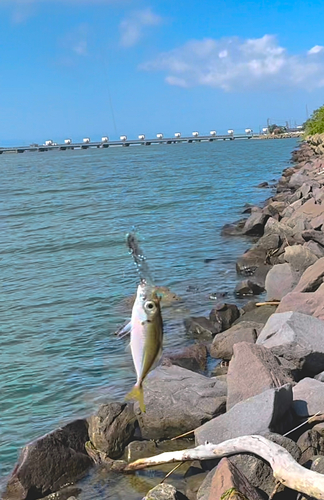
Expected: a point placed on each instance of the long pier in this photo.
(125, 143)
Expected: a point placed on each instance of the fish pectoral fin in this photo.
(124, 330)
(138, 394)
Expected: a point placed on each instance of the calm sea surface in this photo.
(65, 270)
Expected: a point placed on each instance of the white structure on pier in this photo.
(86, 140)
(177, 134)
(248, 131)
(213, 132)
(67, 141)
(105, 138)
(123, 137)
(49, 142)
(230, 131)
(159, 136)
(141, 137)
(195, 134)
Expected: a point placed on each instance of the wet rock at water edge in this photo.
(201, 326)
(263, 185)
(248, 287)
(178, 400)
(50, 462)
(254, 226)
(112, 428)
(252, 370)
(223, 315)
(164, 491)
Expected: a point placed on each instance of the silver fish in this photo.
(146, 337)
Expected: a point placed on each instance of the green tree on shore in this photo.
(315, 124)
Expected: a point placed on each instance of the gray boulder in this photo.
(253, 369)
(296, 337)
(308, 397)
(258, 254)
(262, 413)
(312, 278)
(299, 257)
(112, 427)
(178, 400)
(245, 331)
(49, 463)
(311, 303)
(280, 280)
(315, 248)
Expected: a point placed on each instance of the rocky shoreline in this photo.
(270, 380)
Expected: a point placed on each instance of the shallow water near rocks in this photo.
(65, 270)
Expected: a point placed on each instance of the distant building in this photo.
(177, 135)
(141, 137)
(67, 141)
(230, 131)
(86, 140)
(195, 134)
(105, 138)
(213, 132)
(123, 137)
(248, 131)
(159, 136)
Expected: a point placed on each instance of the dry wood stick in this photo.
(285, 468)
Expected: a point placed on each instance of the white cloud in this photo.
(316, 49)
(232, 63)
(132, 27)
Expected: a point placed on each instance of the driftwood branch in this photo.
(285, 468)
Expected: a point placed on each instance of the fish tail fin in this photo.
(138, 394)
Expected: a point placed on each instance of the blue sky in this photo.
(76, 68)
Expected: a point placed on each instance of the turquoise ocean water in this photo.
(65, 270)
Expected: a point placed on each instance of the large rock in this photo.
(245, 331)
(280, 280)
(308, 397)
(312, 234)
(258, 254)
(311, 303)
(227, 478)
(50, 462)
(178, 400)
(223, 315)
(112, 427)
(299, 257)
(193, 357)
(312, 278)
(262, 413)
(251, 312)
(259, 472)
(315, 248)
(295, 336)
(311, 443)
(247, 361)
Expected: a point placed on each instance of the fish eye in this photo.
(149, 305)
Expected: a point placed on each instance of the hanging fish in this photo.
(146, 337)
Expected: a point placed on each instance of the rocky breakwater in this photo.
(272, 383)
